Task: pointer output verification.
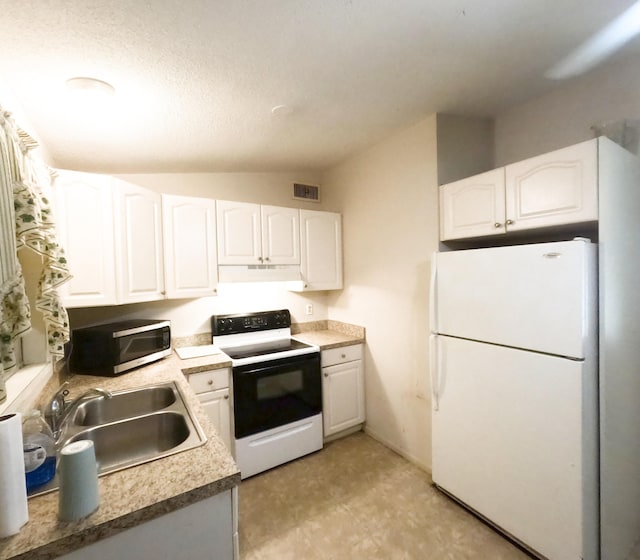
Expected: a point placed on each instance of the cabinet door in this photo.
(556, 188)
(139, 244)
(216, 405)
(189, 240)
(239, 233)
(342, 396)
(84, 209)
(320, 250)
(280, 235)
(473, 207)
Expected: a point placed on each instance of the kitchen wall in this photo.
(193, 316)
(604, 96)
(388, 199)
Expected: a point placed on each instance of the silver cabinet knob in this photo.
(260, 259)
(326, 375)
(343, 356)
(266, 259)
(226, 396)
(510, 222)
(497, 225)
(210, 382)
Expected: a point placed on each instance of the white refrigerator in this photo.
(514, 390)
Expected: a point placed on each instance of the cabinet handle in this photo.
(210, 382)
(497, 225)
(510, 222)
(326, 375)
(226, 396)
(343, 356)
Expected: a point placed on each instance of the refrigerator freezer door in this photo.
(536, 296)
(508, 441)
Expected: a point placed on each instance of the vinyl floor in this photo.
(356, 499)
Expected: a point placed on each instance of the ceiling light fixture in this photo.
(91, 87)
(282, 110)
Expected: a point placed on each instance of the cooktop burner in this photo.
(264, 348)
(249, 338)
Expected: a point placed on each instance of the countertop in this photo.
(131, 496)
(328, 334)
(138, 494)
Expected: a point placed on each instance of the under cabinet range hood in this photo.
(259, 273)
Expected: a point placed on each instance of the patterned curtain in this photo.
(27, 223)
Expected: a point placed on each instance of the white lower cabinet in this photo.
(205, 529)
(212, 388)
(342, 390)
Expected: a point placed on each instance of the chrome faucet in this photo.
(59, 410)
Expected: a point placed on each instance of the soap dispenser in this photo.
(39, 450)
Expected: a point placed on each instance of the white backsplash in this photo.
(193, 316)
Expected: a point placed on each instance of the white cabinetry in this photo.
(473, 206)
(552, 189)
(251, 234)
(321, 251)
(189, 240)
(342, 390)
(206, 529)
(212, 388)
(84, 220)
(139, 258)
(112, 234)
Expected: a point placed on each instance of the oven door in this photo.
(274, 393)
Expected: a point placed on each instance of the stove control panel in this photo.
(250, 322)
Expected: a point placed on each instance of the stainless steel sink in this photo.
(134, 441)
(132, 427)
(124, 404)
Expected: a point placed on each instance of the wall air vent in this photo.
(310, 193)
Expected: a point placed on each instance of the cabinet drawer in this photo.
(341, 355)
(211, 380)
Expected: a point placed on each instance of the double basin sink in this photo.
(132, 427)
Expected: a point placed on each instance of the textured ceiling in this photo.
(196, 80)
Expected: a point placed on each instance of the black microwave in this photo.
(114, 348)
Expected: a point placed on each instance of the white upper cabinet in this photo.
(473, 207)
(320, 251)
(139, 258)
(189, 240)
(280, 235)
(239, 232)
(112, 234)
(251, 234)
(553, 189)
(560, 187)
(84, 221)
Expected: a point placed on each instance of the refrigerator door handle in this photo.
(432, 293)
(433, 373)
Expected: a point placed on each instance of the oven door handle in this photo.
(280, 435)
